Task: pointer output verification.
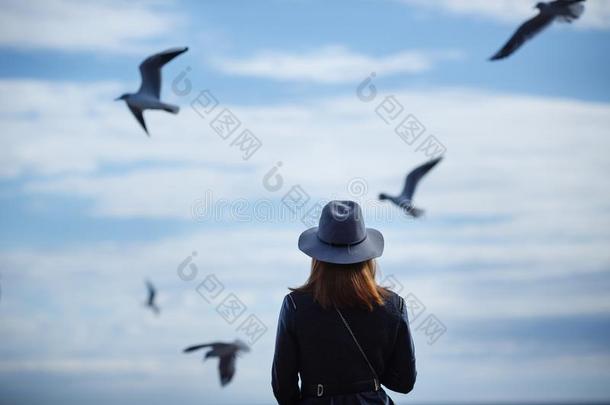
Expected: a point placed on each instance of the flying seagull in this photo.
(405, 199)
(152, 293)
(148, 96)
(563, 10)
(227, 353)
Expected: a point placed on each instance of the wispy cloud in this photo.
(330, 64)
(67, 150)
(70, 25)
(597, 14)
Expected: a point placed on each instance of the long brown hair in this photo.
(344, 285)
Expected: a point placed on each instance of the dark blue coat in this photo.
(313, 343)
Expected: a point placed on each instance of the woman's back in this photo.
(328, 353)
(341, 333)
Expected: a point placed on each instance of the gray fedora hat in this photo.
(341, 236)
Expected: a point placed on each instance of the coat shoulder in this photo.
(298, 299)
(394, 303)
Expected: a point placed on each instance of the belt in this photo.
(322, 390)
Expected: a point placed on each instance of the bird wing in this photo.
(415, 176)
(201, 346)
(526, 31)
(138, 114)
(150, 70)
(226, 367)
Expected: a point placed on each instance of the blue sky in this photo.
(511, 256)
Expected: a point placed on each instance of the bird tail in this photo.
(576, 9)
(171, 108)
(416, 212)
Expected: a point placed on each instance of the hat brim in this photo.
(370, 248)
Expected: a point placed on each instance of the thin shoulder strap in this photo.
(375, 378)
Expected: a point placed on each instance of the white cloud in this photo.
(72, 25)
(94, 321)
(506, 158)
(501, 149)
(536, 166)
(596, 16)
(330, 64)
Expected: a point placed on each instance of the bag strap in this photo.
(375, 378)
